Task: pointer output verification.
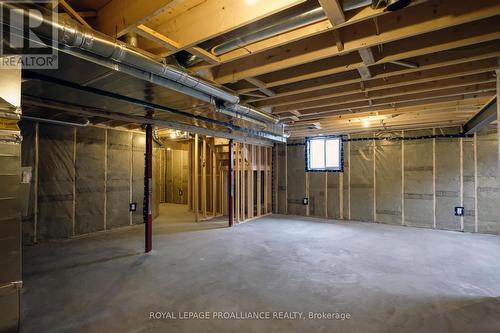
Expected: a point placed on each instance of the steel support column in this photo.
(230, 184)
(148, 190)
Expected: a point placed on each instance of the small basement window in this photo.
(324, 154)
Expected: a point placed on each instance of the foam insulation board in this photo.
(89, 185)
(138, 158)
(118, 179)
(317, 194)
(55, 192)
(296, 180)
(418, 187)
(487, 181)
(388, 181)
(361, 182)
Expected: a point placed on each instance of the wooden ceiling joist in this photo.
(462, 81)
(467, 35)
(119, 17)
(447, 72)
(324, 26)
(335, 71)
(333, 10)
(73, 13)
(261, 85)
(439, 64)
(172, 45)
(468, 105)
(486, 89)
(417, 20)
(458, 100)
(211, 18)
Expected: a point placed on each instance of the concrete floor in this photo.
(388, 278)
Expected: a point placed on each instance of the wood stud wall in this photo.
(252, 178)
(467, 173)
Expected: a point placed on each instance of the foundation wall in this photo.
(87, 177)
(417, 181)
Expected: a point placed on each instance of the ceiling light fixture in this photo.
(251, 2)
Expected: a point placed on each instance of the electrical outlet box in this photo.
(305, 201)
(459, 211)
(132, 206)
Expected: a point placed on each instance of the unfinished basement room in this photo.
(227, 166)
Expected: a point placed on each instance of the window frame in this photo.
(341, 153)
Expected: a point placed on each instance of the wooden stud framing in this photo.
(250, 182)
(270, 180)
(214, 179)
(243, 182)
(204, 177)
(196, 159)
(266, 178)
(237, 167)
(259, 180)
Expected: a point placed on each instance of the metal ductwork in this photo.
(247, 110)
(312, 16)
(390, 5)
(348, 5)
(57, 122)
(124, 57)
(295, 22)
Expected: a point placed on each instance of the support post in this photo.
(230, 184)
(148, 190)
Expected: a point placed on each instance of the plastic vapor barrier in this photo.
(414, 178)
(87, 177)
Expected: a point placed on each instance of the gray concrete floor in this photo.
(388, 278)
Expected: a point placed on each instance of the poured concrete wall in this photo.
(413, 182)
(86, 179)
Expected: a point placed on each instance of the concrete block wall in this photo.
(415, 182)
(84, 180)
